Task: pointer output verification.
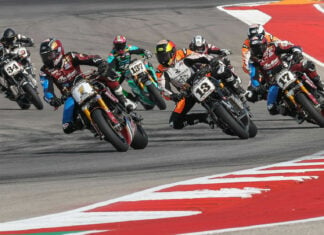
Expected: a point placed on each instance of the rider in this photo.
(11, 40)
(256, 91)
(120, 56)
(199, 45)
(62, 68)
(265, 58)
(168, 56)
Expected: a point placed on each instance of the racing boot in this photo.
(129, 105)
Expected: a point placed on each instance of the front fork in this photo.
(105, 108)
(291, 96)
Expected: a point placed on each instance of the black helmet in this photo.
(258, 46)
(8, 36)
(165, 52)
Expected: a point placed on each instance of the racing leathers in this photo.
(63, 78)
(255, 87)
(270, 62)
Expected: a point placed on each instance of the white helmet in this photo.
(198, 44)
(255, 30)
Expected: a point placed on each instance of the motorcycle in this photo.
(17, 76)
(143, 83)
(100, 112)
(224, 106)
(298, 94)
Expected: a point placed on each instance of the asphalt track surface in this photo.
(44, 171)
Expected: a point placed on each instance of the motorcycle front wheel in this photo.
(33, 96)
(231, 122)
(107, 130)
(310, 109)
(156, 96)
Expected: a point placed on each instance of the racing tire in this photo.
(310, 109)
(33, 96)
(106, 129)
(253, 130)
(147, 106)
(155, 94)
(140, 139)
(222, 113)
(23, 104)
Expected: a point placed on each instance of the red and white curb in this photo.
(286, 192)
(302, 24)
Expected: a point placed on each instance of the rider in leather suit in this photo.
(199, 45)
(120, 56)
(256, 90)
(171, 60)
(11, 40)
(61, 69)
(265, 58)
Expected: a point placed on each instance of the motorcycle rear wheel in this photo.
(110, 134)
(310, 109)
(140, 139)
(253, 130)
(227, 118)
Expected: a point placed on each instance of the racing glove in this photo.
(148, 54)
(176, 97)
(103, 69)
(225, 52)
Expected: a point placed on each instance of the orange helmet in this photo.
(165, 52)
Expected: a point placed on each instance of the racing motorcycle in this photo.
(298, 94)
(100, 112)
(18, 77)
(223, 105)
(144, 85)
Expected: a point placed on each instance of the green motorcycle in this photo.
(142, 80)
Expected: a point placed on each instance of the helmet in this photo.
(198, 44)
(256, 30)
(8, 36)
(120, 44)
(51, 52)
(258, 46)
(165, 52)
(2, 51)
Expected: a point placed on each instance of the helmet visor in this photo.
(163, 57)
(120, 46)
(48, 57)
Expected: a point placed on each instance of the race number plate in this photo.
(81, 91)
(203, 89)
(285, 78)
(137, 67)
(12, 68)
